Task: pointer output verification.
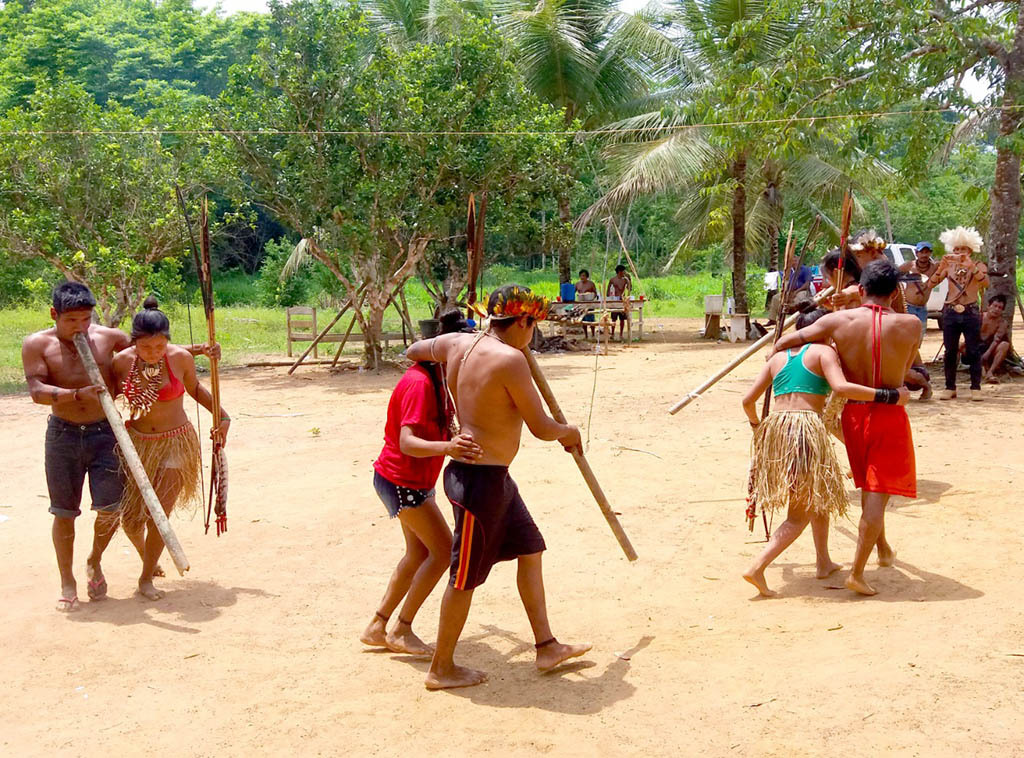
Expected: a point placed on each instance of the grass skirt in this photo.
(792, 462)
(174, 451)
(832, 416)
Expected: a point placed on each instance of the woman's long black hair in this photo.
(451, 321)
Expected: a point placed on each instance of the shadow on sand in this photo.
(903, 583)
(513, 680)
(192, 603)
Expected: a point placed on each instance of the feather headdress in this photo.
(961, 236)
(867, 239)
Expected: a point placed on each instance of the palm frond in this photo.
(299, 257)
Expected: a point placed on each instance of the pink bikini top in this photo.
(174, 387)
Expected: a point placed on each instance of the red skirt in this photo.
(880, 448)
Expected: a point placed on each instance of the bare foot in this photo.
(756, 578)
(859, 586)
(375, 634)
(97, 586)
(555, 654)
(828, 569)
(926, 393)
(148, 591)
(456, 676)
(158, 571)
(886, 556)
(404, 640)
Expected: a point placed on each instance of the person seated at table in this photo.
(586, 291)
(995, 339)
(619, 287)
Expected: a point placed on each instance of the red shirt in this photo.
(413, 403)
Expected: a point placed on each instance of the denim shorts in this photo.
(74, 450)
(396, 497)
(921, 311)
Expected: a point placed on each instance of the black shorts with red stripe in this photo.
(491, 522)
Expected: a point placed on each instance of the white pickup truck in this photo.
(899, 254)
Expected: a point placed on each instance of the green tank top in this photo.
(795, 377)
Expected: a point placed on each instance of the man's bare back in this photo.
(477, 367)
(53, 363)
(850, 330)
(494, 393)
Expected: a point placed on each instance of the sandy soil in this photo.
(255, 650)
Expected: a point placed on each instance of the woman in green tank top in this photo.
(793, 465)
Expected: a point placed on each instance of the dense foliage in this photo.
(710, 125)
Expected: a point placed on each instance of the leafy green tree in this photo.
(119, 48)
(720, 139)
(98, 206)
(374, 148)
(585, 57)
(928, 47)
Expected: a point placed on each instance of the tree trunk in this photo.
(373, 327)
(564, 241)
(738, 172)
(1006, 187)
(773, 246)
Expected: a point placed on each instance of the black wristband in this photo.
(887, 396)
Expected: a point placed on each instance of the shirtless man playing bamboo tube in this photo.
(494, 394)
(876, 347)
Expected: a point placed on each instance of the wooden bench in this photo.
(301, 322)
(302, 327)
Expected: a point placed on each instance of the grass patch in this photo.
(245, 331)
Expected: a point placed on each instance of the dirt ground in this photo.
(255, 650)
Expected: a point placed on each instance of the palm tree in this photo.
(719, 47)
(586, 57)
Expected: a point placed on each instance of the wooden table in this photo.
(636, 306)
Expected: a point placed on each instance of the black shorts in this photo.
(618, 316)
(395, 497)
(74, 450)
(491, 522)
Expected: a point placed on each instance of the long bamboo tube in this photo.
(131, 457)
(581, 461)
(769, 337)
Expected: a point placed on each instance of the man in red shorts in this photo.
(494, 394)
(876, 347)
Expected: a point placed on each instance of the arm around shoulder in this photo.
(433, 350)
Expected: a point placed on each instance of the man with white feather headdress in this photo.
(961, 313)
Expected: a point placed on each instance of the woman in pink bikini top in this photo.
(153, 376)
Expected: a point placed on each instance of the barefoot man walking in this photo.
(79, 439)
(494, 394)
(876, 347)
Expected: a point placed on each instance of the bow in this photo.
(217, 500)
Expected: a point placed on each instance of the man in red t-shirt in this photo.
(417, 437)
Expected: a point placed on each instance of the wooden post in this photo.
(131, 456)
(769, 337)
(581, 461)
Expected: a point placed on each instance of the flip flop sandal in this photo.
(97, 589)
(67, 604)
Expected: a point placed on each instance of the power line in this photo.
(579, 133)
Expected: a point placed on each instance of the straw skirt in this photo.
(832, 416)
(792, 462)
(172, 452)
